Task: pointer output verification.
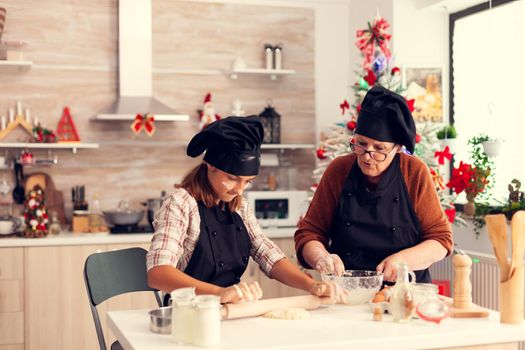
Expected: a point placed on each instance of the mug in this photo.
(7, 227)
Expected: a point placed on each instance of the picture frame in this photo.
(424, 84)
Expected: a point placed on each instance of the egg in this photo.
(379, 297)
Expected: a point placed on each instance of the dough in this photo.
(288, 314)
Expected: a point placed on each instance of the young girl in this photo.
(205, 233)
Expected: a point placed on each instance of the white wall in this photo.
(420, 38)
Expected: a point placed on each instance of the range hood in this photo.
(135, 67)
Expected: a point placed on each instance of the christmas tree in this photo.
(35, 214)
(377, 69)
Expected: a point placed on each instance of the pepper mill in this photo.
(462, 285)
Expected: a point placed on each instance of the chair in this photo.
(108, 274)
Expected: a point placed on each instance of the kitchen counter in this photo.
(330, 327)
(69, 238)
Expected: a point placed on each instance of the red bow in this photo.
(146, 121)
(344, 106)
(441, 155)
(375, 35)
(451, 214)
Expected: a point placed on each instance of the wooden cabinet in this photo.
(11, 298)
(57, 308)
(273, 288)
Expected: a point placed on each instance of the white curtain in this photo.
(489, 87)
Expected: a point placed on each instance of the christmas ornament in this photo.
(35, 214)
(351, 125)
(27, 158)
(66, 131)
(363, 84)
(374, 36)
(143, 121)
(207, 115)
(370, 77)
(418, 138)
(41, 134)
(442, 155)
(379, 64)
(320, 153)
(344, 106)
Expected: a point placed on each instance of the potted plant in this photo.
(447, 135)
(473, 180)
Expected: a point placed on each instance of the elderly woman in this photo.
(377, 206)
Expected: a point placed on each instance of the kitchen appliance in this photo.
(135, 67)
(131, 229)
(278, 208)
(152, 205)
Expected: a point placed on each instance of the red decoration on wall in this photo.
(143, 121)
(66, 131)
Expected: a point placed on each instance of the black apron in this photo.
(223, 249)
(370, 226)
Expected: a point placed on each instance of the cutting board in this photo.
(474, 311)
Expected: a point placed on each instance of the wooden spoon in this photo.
(518, 240)
(497, 229)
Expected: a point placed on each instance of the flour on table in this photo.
(288, 314)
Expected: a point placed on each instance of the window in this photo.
(488, 62)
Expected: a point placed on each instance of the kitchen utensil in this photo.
(511, 294)
(260, 307)
(18, 192)
(462, 286)
(35, 179)
(160, 320)
(517, 226)
(124, 215)
(361, 285)
(497, 229)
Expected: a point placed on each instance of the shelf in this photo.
(15, 65)
(273, 73)
(287, 146)
(59, 145)
(158, 118)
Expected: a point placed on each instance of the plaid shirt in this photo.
(177, 230)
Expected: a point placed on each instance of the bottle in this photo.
(278, 57)
(96, 220)
(402, 300)
(54, 226)
(272, 182)
(182, 315)
(207, 321)
(268, 55)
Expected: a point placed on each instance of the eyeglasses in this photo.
(375, 155)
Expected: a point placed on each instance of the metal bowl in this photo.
(361, 285)
(123, 217)
(160, 320)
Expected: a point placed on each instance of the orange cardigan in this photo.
(421, 190)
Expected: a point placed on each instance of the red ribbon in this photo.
(344, 106)
(146, 121)
(441, 155)
(375, 35)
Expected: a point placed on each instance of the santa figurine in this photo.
(207, 114)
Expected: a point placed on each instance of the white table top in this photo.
(330, 327)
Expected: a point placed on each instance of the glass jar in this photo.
(422, 292)
(182, 315)
(54, 226)
(207, 321)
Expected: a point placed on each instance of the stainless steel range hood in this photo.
(135, 67)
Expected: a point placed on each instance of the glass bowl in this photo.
(361, 285)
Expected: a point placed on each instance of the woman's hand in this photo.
(322, 261)
(388, 266)
(240, 293)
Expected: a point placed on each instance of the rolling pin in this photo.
(260, 307)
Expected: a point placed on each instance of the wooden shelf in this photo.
(273, 73)
(59, 145)
(287, 146)
(15, 65)
(158, 118)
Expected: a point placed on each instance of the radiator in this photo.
(484, 278)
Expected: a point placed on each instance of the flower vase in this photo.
(469, 208)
